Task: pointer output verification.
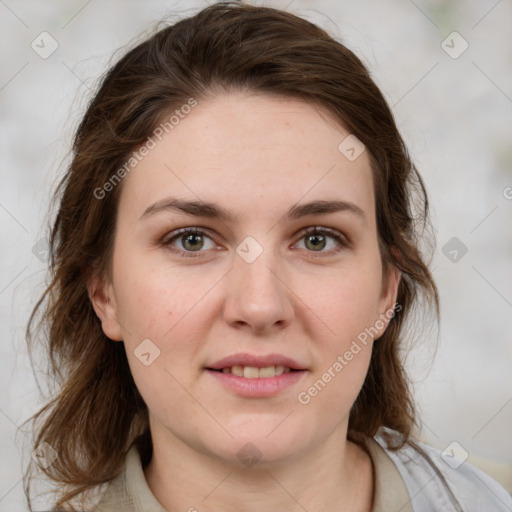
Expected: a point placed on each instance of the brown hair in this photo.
(98, 413)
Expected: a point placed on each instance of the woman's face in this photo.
(250, 284)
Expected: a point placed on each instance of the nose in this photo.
(257, 295)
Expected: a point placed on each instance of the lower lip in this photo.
(260, 387)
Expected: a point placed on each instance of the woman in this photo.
(234, 257)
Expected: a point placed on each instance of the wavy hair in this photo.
(97, 413)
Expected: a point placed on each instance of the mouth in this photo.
(256, 375)
(253, 372)
(254, 381)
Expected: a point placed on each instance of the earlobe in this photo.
(102, 297)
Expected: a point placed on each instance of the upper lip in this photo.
(244, 359)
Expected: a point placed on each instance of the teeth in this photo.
(251, 372)
(269, 371)
(237, 370)
(280, 370)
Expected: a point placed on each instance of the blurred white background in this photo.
(453, 106)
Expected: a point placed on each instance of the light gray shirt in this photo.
(405, 481)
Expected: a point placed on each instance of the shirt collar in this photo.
(130, 492)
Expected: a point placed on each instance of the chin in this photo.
(254, 456)
(256, 449)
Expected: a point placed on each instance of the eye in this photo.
(191, 240)
(316, 239)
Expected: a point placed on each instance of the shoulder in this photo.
(440, 481)
(129, 491)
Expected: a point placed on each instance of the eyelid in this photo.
(341, 239)
(197, 230)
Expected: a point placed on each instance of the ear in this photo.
(102, 297)
(387, 300)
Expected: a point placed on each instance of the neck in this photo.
(336, 476)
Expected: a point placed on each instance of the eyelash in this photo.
(169, 239)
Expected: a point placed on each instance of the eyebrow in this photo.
(214, 211)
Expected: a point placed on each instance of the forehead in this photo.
(251, 153)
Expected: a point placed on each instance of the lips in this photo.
(252, 372)
(256, 376)
(245, 361)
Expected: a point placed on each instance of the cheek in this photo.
(153, 299)
(167, 307)
(345, 302)
(145, 307)
(163, 309)
(345, 310)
